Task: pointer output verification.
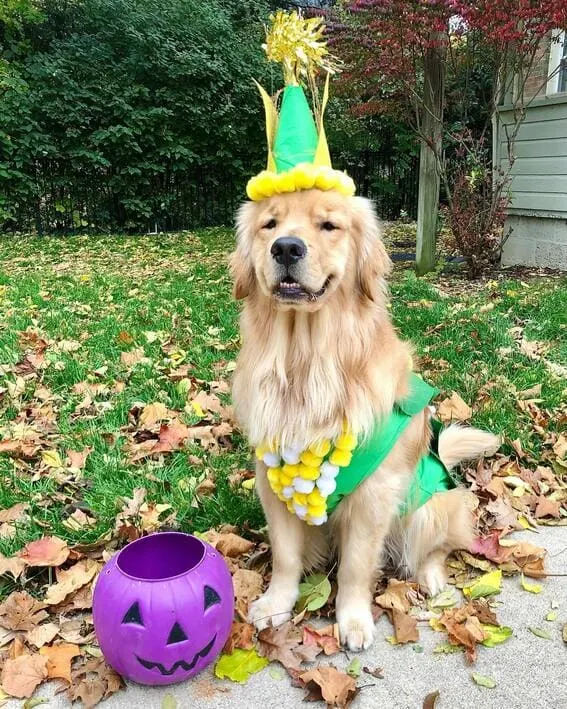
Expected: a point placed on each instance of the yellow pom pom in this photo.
(281, 497)
(285, 479)
(277, 488)
(321, 448)
(261, 452)
(274, 475)
(304, 176)
(290, 507)
(317, 510)
(300, 498)
(346, 442)
(326, 179)
(261, 186)
(315, 498)
(308, 458)
(340, 458)
(284, 182)
(309, 473)
(291, 471)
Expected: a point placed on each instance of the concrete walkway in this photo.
(530, 672)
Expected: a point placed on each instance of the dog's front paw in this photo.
(270, 609)
(356, 627)
(432, 577)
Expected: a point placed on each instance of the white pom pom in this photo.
(272, 460)
(318, 521)
(300, 510)
(291, 455)
(287, 492)
(302, 485)
(326, 486)
(329, 471)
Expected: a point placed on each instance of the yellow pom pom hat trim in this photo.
(304, 479)
(304, 176)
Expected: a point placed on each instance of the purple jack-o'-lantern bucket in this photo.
(163, 608)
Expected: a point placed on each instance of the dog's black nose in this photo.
(288, 250)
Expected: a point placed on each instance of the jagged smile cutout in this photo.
(187, 666)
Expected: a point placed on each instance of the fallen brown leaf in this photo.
(547, 508)
(405, 627)
(278, 644)
(241, 636)
(21, 676)
(233, 545)
(327, 639)
(71, 580)
(132, 357)
(93, 680)
(11, 565)
(431, 700)
(77, 459)
(153, 413)
(247, 586)
(15, 513)
(454, 409)
(42, 634)
(21, 612)
(396, 595)
(333, 686)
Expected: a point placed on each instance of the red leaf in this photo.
(47, 551)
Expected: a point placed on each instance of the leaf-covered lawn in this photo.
(94, 329)
(115, 421)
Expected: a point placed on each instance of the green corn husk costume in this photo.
(312, 482)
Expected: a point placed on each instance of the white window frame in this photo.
(557, 57)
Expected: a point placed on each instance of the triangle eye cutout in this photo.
(176, 635)
(133, 615)
(211, 597)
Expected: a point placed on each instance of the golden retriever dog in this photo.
(319, 348)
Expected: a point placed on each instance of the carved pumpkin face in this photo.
(163, 608)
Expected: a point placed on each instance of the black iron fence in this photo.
(68, 200)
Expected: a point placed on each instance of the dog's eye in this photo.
(328, 226)
(271, 224)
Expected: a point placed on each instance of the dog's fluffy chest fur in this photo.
(312, 371)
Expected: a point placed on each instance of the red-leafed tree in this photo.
(409, 57)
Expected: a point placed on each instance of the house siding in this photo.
(537, 215)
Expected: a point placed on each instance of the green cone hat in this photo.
(298, 155)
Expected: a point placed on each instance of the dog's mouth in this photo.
(290, 290)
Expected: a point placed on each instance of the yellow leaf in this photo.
(436, 624)
(239, 665)
(52, 459)
(249, 484)
(531, 587)
(486, 585)
(196, 406)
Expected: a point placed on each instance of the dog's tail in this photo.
(458, 443)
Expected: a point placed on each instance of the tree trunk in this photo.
(430, 155)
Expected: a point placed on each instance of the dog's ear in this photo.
(241, 259)
(373, 263)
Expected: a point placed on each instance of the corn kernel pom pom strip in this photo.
(305, 479)
(304, 176)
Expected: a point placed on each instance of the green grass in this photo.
(171, 296)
